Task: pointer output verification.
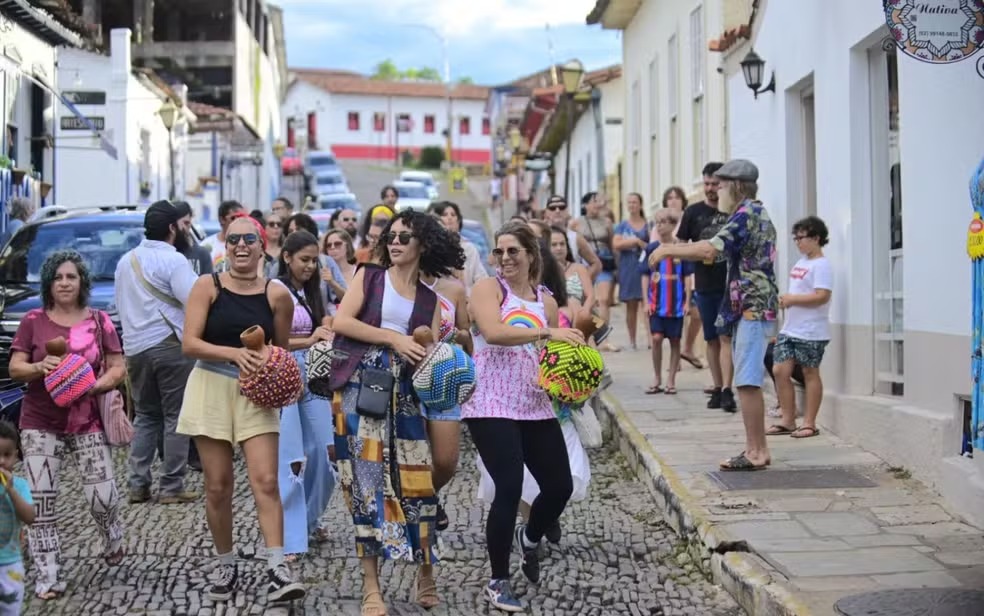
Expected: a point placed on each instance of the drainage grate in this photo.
(914, 602)
(804, 479)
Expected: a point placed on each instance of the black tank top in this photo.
(231, 314)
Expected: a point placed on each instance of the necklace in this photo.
(246, 282)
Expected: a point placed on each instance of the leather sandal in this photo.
(427, 596)
(373, 605)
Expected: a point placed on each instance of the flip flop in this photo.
(811, 432)
(693, 361)
(655, 389)
(779, 430)
(670, 391)
(741, 463)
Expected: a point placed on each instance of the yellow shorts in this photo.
(213, 407)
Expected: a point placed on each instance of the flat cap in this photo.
(738, 169)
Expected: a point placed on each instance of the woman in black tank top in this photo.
(218, 416)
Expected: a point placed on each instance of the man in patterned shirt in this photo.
(748, 241)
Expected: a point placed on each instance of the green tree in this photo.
(429, 74)
(467, 81)
(386, 71)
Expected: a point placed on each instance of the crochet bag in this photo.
(278, 381)
(445, 378)
(70, 380)
(112, 408)
(570, 373)
(318, 364)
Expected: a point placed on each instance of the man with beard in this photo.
(748, 242)
(702, 221)
(153, 282)
(346, 220)
(198, 256)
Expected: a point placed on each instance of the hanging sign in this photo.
(938, 31)
(975, 238)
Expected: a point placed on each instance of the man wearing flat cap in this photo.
(748, 313)
(153, 282)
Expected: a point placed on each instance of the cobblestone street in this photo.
(616, 557)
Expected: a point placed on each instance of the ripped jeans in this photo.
(306, 431)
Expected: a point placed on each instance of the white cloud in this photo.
(459, 19)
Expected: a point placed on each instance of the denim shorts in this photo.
(709, 305)
(605, 277)
(452, 414)
(748, 347)
(670, 327)
(806, 353)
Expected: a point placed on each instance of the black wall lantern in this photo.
(753, 66)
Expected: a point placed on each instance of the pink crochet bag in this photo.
(70, 380)
(112, 409)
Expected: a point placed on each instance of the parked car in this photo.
(412, 195)
(322, 218)
(101, 238)
(290, 163)
(340, 201)
(475, 232)
(321, 161)
(423, 177)
(329, 183)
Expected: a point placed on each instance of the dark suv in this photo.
(100, 237)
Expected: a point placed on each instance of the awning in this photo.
(104, 144)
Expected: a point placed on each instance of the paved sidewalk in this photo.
(783, 547)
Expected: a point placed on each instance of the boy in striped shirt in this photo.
(668, 286)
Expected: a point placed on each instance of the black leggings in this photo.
(505, 445)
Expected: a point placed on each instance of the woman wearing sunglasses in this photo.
(219, 417)
(337, 245)
(381, 447)
(510, 418)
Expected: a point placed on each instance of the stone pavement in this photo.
(783, 547)
(617, 556)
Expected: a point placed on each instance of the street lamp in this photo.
(753, 66)
(447, 82)
(570, 75)
(169, 115)
(515, 140)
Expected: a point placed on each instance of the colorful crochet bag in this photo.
(445, 378)
(70, 380)
(278, 381)
(318, 365)
(570, 373)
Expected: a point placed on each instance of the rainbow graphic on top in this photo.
(520, 317)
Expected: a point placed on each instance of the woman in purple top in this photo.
(49, 432)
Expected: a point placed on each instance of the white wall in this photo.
(302, 98)
(130, 109)
(646, 39)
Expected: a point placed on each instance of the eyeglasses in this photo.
(249, 239)
(338, 244)
(799, 238)
(348, 219)
(512, 251)
(404, 237)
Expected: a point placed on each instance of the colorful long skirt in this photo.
(384, 468)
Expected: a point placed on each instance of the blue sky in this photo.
(491, 41)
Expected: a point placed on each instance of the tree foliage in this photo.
(387, 70)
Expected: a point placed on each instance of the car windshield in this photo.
(412, 192)
(322, 160)
(329, 179)
(426, 181)
(100, 242)
(339, 204)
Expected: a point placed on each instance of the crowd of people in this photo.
(367, 285)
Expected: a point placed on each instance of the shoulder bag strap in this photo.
(170, 301)
(97, 316)
(300, 301)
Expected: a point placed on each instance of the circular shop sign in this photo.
(936, 31)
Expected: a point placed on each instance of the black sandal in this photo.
(442, 522)
(779, 430)
(741, 463)
(655, 389)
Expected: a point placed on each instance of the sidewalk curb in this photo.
(757, 587)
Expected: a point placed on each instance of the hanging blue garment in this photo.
(977, 350)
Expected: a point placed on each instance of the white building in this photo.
(357, 117)
(596, 143)
(29, 40)
(675, 100)
(123, 104)
(847, 110)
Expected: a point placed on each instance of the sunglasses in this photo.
(272, 224)
(348, 219)
(334, 244)
(512, 251)
(249, 239)
(404, 237)
(556, 207)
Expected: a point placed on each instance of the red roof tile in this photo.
(345, 82)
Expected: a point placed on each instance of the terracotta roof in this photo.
(603, 75)
(344, 82)
(734, 35)
(203, 110)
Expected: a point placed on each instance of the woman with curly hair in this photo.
(384, 462)
(49, 432)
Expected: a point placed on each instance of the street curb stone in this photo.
(757, 587)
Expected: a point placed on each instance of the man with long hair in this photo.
(748, 313)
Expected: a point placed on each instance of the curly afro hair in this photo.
(50, 267)
(440, 250)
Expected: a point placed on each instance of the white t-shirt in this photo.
(805, 322)
(218, 250)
